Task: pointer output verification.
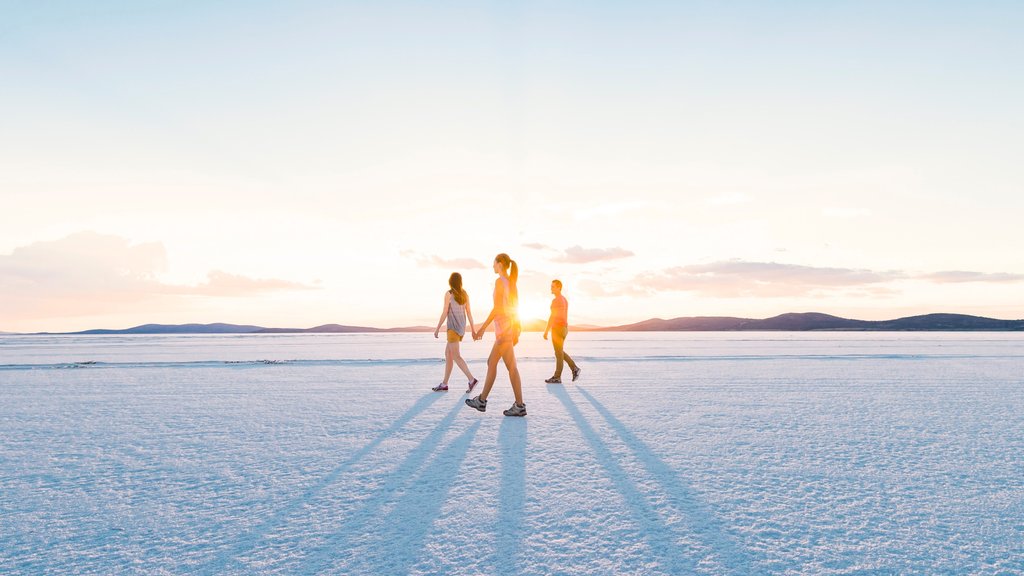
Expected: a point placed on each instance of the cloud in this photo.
(221, 283)
(738, 278)
(581, 255)
(958, 276)
(88, 271)
(602, 289)
(538, 246)
(82, 264)
(433, 261)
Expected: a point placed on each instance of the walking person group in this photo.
(507, 329)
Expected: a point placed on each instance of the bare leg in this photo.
(508, 354)
(492, 370)
(447, 362)
(457, 356)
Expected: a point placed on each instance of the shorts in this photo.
(454, 336)
(560, 332)
(506, 329)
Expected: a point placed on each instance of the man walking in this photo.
(558, 325)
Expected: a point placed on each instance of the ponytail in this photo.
(513, 278)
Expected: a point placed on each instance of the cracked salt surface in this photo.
(771, 453)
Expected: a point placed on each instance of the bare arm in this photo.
(444, 312)
(551, 319)
(499, 296)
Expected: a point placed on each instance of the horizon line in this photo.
(528, 325)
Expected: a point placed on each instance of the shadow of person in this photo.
(662, 539)
(698, 514)
(511, 496)
(253, 538)
(405, 529)
(357, 524)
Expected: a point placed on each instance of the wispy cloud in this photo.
(434, 261)
(605, 289)
(739, 278)
(221, 283)
(538, 246)
(581, 255)
(958, 276)
(107, 268)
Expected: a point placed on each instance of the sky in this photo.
(299, 163)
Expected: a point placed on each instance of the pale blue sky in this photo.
(308, 144)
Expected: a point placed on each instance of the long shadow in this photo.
(659, 535)
(512, 495)
(406, 527)
(338, 545)
(700, 515)
(252, 538)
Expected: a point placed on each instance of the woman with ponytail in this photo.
(456, 310)
(506, 335)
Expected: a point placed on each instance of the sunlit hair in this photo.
(455, 283)
(557, 283)
(512, 268)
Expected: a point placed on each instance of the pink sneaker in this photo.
(471, 385)
(442, 387)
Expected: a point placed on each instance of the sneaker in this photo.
(442, 387)
(554, 380)
(576, 373)
(516, 410)
(471, 385)
(476, 402)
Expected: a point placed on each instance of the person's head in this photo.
(455, 283)
(502, 263)
(556, 287)
(505, 265)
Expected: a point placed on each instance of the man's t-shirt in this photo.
(559, 312)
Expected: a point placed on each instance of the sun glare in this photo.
(532, 309)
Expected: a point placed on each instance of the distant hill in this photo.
(340, 329)
(217, 328)
(816, 321)
(949, 322)
(221, 328)
(784, 322)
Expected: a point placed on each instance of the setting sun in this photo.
(532, 308)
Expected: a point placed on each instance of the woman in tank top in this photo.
(456, 310)
(506, 335)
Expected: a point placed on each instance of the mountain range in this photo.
(816, 321)
(785, 322)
